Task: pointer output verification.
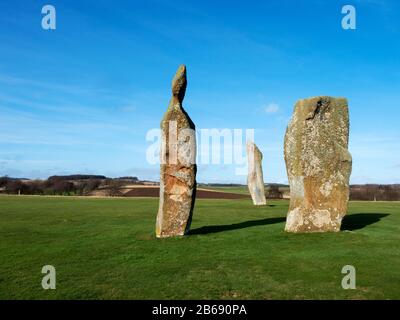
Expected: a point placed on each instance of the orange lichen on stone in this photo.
(318, 164)
(178, 168)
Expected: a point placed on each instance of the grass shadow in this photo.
(361, 220)
(236, 226)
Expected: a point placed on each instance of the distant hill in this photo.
(85, 184)
(133, 179)
(73, 177)
(279, 185)
(14, 179)
(222, 184)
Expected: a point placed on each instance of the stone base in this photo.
(299, 221)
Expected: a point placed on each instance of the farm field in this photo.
(234, 189)
(284, 191)
(105, 248)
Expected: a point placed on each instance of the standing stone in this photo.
(178, 168)
(255, 180)
(318, 164)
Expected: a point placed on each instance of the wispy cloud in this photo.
(66, 88)
(127, 108)
(386, 9)
(272, 107)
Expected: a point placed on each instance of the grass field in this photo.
(240, 190)
(106, 249)
(243, 189)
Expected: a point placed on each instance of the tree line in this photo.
(375, 192)
(49, 186)
(65, 185)
(85, 184)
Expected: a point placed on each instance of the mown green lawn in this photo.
(106, 249)
(241, 189)
(235, 189)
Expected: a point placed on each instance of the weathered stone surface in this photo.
(255, 180)
(178, 168)
(318, 164)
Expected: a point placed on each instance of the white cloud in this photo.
(272, 108)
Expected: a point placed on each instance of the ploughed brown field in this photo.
(200, 193)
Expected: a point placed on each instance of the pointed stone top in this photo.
(252, 147)
(179, 84)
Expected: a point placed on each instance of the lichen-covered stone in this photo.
(255, 180)
(318, 164)
(178, 168)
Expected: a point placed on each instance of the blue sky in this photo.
(81, 98)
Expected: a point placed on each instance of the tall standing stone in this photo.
(318, 164)
(255, 180)
(178, 168)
